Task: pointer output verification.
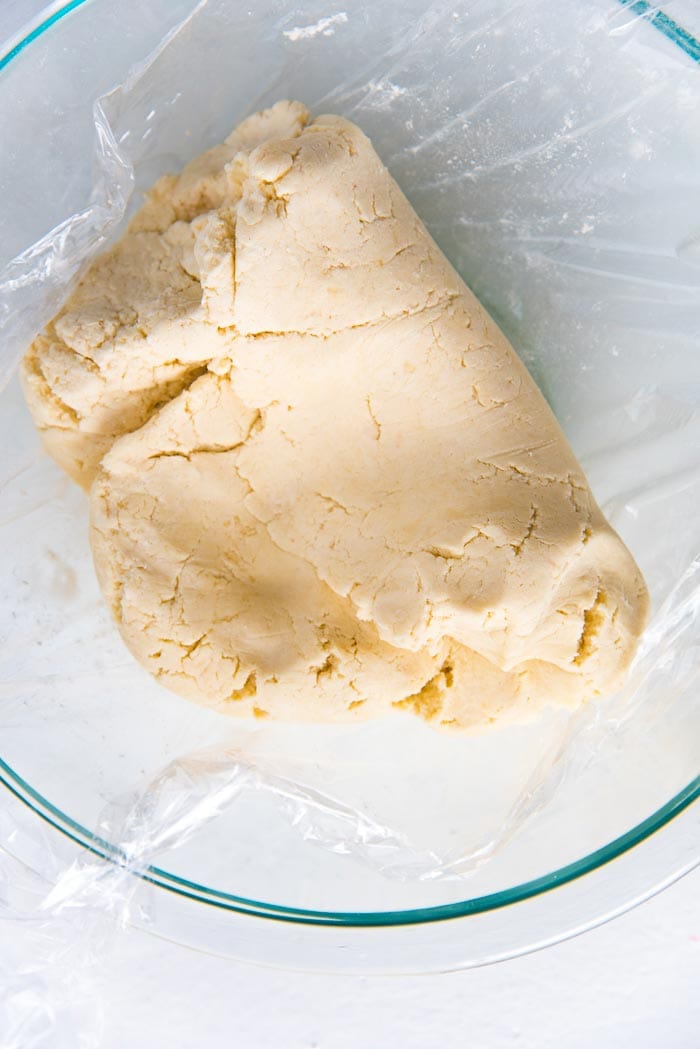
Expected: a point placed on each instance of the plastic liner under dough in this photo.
(555, 190)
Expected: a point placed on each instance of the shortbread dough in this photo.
(322, 485)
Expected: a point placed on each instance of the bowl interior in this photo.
(554, 158)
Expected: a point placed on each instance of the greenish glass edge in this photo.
(39, 31)
(657, 18)
(93, 843)
(666, 26)
(417, 916)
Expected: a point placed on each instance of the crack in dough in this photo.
(322, 485)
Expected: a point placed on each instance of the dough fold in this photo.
(322, 484)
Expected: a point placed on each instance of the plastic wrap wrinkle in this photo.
(447, 144)
(77, 919)
(41, 275)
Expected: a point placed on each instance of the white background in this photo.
(633, 983)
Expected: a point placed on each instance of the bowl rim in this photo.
(54, 12)
(527, 890)
(519, 893)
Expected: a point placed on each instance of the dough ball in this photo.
(322, 484)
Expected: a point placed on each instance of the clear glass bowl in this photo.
(553, 151)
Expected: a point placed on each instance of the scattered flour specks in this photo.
(324, 27)
(382, 93)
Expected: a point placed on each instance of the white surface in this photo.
(634, 982)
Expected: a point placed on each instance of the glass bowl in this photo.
(552, 150)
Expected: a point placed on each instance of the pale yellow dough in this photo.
(322, 484)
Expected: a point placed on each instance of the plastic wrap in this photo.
(535, 192)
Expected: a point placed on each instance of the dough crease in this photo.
(322, 485)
